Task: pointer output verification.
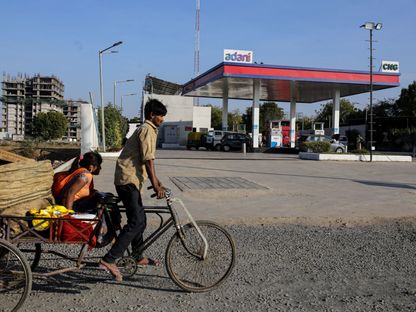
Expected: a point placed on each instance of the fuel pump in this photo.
(318, 128)
(275, 133)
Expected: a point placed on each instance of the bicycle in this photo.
(199, 256)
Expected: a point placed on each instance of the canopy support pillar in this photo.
(225, 111)
(256, 113)
(335, 111)
(292, 114)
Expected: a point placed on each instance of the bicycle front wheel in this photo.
(15, 277)
(184, 262)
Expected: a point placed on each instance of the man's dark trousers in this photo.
(132, 232)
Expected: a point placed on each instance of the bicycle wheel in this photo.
(15, 277)
(184, 261)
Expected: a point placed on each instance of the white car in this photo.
(214, 139)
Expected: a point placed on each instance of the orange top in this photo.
(62, 181)
(86, 189)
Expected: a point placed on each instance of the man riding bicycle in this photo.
(134, 165)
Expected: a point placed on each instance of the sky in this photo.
(63, 38)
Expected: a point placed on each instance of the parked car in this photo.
(341, 139)
(336, 146)
(234, 141)
(213, 139)
(195, 140)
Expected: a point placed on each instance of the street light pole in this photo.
(371, 95)
(371, 26)
(115, 83)
(102, 92)
(121, 100)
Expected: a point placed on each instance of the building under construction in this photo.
(72, 112)
(24, 97)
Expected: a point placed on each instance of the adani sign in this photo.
(238, 56)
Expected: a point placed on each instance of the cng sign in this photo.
(390, 67)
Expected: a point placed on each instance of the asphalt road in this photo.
(280, 267)
(322, 236)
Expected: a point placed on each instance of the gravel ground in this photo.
(280, 267)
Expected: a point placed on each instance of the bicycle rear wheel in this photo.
(184, 261)
(15, 277)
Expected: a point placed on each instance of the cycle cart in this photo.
(199, 256)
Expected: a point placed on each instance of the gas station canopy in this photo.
(235, 81)
(258, 82)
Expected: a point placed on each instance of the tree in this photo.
(216, 117)
(49, 126)
(116, 126)
(135, 120)
(385, 108)
(406, 104)
(247, 119)
(234, 119)
(347, 111)
(267, 111)
(407, 136)
(306, 122)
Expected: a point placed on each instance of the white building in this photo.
(182, 117)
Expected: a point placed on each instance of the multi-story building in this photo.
(24, 97)
(72, 112)
(13, 108)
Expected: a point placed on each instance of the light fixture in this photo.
(368, 25)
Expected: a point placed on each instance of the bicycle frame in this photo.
(30, 235)
(173, 220)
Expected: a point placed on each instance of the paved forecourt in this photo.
(256, 187)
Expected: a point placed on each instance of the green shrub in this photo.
(29, 149)
(5, 143)
(359, 151)
(315, 147)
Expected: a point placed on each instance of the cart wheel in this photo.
(15, 277)
(184, 261)
(127, 266)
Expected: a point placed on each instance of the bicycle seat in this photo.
(106, 198)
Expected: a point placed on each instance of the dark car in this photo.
(234, 141)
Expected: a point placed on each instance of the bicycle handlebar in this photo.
(168, 192)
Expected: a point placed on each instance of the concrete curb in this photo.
(352, 157)
(110, 155)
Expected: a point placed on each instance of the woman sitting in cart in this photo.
(74, 189)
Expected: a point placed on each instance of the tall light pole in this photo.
(115, 83)
(121, 100)
(371, 26)
(101, 90)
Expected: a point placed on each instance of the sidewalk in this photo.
(295, 190)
